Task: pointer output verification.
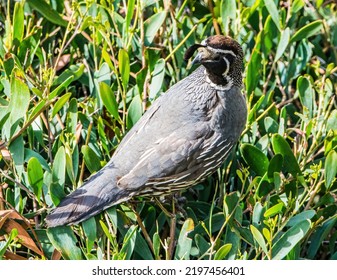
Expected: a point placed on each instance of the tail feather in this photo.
(98, 193)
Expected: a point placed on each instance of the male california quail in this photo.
(184, 137)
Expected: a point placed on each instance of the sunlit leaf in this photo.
(283, 43)
(152, 25)
(330, 168)
(35, 176)
(47, 11)
(184, 244)
(281, 146)
(289, 240)
(254, 157)
(259, 238)
(307, 31)
(64, 240)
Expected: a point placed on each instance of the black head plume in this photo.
(191, 50)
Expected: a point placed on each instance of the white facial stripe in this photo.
(227, 67)
(221, 51)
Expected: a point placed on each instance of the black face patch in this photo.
(191, 50)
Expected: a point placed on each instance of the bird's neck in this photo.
(219, 82)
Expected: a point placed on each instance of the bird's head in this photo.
(222, 56)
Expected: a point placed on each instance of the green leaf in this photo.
(35, 176)
(135, 111)
(259, 238)
(124, 67)
(275, 165)
(231, 201)
(16, 148)
(103, 74)
(70, 168)
(258, 216)
(223, 252)
(244, 233)
(253, 111)
(264, 186)
(36, 110)
(305, 215)
(30, 154)
(112, 213)
(280, 146)
(254, 67)
(58, 176)
(289, 240)
(5, 244)
(273, 11)
(60, 103)
(60, 88)
(271, 125)
(307, 31)
(256, 160)
(129, 243)
(142, 247)
(184, 244)
(74, 71)
(152, 25)
(64, 240)
(202, 244)
(156, 245)
(109, 100)
(330, 168)
(129, 15)
(106, 232)
(18, 21)
(91, 159)
(306, 93)
(321, 233)
(157, 78)
(272, 211)
(47, 12)
(331, 122)
(283, 43)
(90, 231)
(228, 13)
(72, 116)
(18, 104)
(296, 6)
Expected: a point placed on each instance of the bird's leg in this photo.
(172, 231)
(179, 202)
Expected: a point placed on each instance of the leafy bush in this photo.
(75, 77)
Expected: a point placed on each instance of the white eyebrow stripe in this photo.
(222, 51)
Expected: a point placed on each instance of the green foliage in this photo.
(75, 79)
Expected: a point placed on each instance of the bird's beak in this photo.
(191, 50)
(198, 58)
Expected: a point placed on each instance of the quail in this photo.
(183, 137)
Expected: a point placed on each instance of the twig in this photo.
(21, 186)
(259, 117)
(215, 23)
(2, 186)
(172, 217)
(181, 43)
(143, 229)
